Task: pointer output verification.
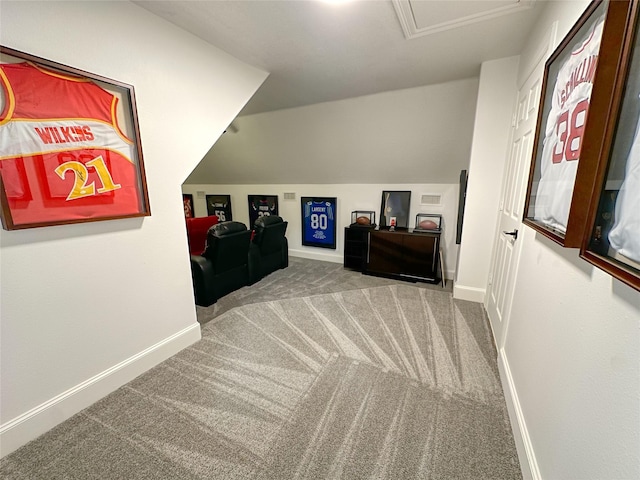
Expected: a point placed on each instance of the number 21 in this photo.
(80, 186)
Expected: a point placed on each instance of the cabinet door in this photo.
(420, 255)
(355, 248)
(385, 253)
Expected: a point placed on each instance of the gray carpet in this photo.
(394, 381)
(303, 277)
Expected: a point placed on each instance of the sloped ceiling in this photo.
(318, 52)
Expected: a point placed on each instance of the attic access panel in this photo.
(419, 18)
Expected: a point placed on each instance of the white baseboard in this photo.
(526, 454)
(44, 417)
(325, 257)
(471, 294)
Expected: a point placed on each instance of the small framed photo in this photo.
(551, 207)
(262, 206)
(70, 149)
(428, 222)
(395, 204)
(187, 202)
(220, 206)
(319, 215)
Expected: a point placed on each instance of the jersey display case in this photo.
(571, 124)
(70, 147)
(612, 234)
(319, 221)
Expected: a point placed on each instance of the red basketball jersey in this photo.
(62, 154)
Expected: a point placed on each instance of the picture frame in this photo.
(395, 204)
(553, 206)
(319, 218)
(611, 239)
(262, 206)
(78, 156)
(187, 202)
(220, 206)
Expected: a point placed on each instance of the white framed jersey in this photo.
(564, 128)
(624, 236)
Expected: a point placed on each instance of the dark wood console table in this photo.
(401, 254)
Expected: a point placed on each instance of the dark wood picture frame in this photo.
(396, 204)
(558, 196)
(79, 158)
(260, 206)
(319, 218)
(220, 206)
(612, 231)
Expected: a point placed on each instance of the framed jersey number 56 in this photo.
(319, 216)
(70, 147)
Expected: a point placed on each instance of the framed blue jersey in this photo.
(319, 217)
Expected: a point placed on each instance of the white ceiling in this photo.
(317, 51)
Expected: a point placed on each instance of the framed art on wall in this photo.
(550, 208)
(319, 221)
(395, 205)
(612, 236)
(70, 146)
(187, 202)
(262, 206)
(220, 206)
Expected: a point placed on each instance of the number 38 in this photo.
(569, 132)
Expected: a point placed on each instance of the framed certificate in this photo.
(70, 147)
(319, 221)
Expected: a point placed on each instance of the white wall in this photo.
(417, 135)
(350, 198)
(87, 307)
(571, 358)
(491, 132)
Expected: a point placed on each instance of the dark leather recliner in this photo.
(269, 250)
(223, 266)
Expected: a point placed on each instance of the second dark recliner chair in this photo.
(223, 266)
(269, 250)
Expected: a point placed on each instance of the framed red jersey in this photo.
(70, 146)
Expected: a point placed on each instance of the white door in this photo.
(507, 247)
